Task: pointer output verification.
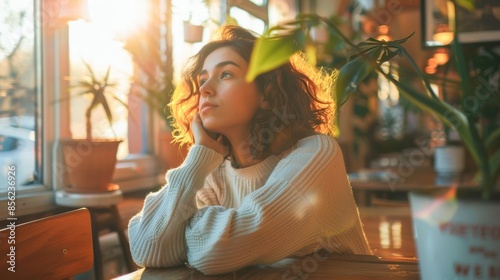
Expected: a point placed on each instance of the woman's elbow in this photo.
(140, 246)
(148, 251)
(138, 252)
(152, 258)
(212, 263)
(212, 269)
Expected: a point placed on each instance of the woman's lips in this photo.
(207, 106)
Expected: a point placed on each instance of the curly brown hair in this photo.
(299, 97)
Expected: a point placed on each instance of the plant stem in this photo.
(88, 124)
(335, 28)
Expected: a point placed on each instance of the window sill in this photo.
(43, 201)
(27, 204)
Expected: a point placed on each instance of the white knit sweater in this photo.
(219, 219)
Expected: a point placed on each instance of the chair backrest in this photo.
(55, 247)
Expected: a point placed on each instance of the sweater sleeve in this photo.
(273, 222)
(157, 232)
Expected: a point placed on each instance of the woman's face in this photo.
(227, 102)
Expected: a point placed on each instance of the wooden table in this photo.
(389, 232)
(319, 266)
(400, 180)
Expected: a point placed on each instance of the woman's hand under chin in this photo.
(207, 139)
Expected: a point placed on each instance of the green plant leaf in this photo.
(448, 114)
(467, 4)
(462, 70)
(105, 105)
(492, 143)
(106, 77)
(353, 72)
(86, 84)
(372, 52)
(403, 40)
(494, 167)
(478, 149)
(271, 52)
(120, 101)
(89, 68)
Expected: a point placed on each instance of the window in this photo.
(19, 90)
(43, 46)
(89, 43)
(249, 14)
(391, 112)
(247, 20)
(98, 38)
(47, 37)
(21, 114)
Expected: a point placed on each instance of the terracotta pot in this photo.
(171, 154)
(457, 236)
(193, 33)
(90, 164)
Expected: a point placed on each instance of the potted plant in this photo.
(157, 96)
(90, 162)
(155, 84)
(193, 32)
(456, 229)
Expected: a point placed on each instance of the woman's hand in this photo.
(205, 138)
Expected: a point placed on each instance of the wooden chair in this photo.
(55, 247)
(105, 217)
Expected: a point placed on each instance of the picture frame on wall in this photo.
(481, 25)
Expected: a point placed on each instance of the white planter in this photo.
(456, 239)
(449, 159)
(449, 162)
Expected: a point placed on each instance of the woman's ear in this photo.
(264, 104)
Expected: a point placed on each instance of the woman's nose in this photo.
(206, 88)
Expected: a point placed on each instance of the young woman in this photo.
(263, 180)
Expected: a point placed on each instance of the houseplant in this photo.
(193, 26)
(461, 220)
(90, 162)
(151, 51)
(158, 95)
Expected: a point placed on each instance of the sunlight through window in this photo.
(100, 43)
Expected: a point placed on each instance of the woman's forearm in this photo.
(156, 233)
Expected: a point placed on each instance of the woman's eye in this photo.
(202, 81)
(224, 75)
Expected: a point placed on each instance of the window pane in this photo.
(92, 44)
(246, 20)
(258, 2)
(17, 91)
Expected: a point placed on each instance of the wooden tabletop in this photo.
(389, 232)
(405, 179)
(318, 266)
(391, 186)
